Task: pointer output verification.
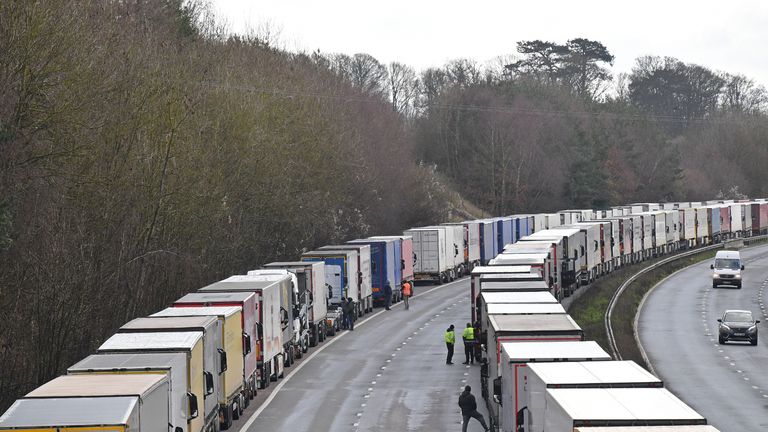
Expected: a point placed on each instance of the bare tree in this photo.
(403, 87)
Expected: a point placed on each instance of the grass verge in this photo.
(589, 309)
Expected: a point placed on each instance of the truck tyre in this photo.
(236, 409)
(227, 423)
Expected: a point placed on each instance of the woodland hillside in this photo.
(145, 153)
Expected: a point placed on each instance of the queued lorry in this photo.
(474, 281)
(201, 369)
(115, 403)
(540, 376)
(435, 254)
(213, 345)
(272, 319)
(387, 265)
(471, 243)
(568, 409)
(182, 404)
(231, 371)
(250, 326)
(341, 273)
(313, 295)
(295, 301)
(514, 362)
(365, 301)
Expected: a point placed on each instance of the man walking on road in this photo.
(387, 295)
(450, 339)
(351, 313)
(406, 293)
(469, 344)
(468, 407)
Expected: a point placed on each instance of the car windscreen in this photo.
(738, 317)
(730, 264)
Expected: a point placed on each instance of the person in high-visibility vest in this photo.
(406, 293)
(450, 340)
(469, 344)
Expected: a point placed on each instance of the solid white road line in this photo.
(282, 383)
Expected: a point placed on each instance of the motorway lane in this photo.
(678, 328)
(389, 374)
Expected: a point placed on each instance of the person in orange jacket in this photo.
(407, 292)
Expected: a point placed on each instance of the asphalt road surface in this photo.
(389, 374)
(727, 384)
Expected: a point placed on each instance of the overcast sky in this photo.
(731, 36)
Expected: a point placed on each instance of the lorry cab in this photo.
(727, 269)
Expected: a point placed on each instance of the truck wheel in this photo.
(236, 409)
(305, 348)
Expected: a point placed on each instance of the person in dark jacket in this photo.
(468, 407)
(344, 312)
(348, 308)
(387, 295)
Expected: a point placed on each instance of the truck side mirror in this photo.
(719, 320)
(402, 264)
(712, 266)
(757, 321)
(497, 390)
(246, 343)
(260, 331)
(222, 360)
(193, 411)
(742, 266)
(208, 383)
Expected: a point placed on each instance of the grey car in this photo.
(737, 325)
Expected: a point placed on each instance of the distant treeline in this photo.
(144, 153)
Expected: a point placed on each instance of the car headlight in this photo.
(715, 276)
(738, 276)
(752, 329)
(724, 328)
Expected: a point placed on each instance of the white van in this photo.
(727, 269)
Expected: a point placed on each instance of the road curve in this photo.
(389, 374)
(678, 328)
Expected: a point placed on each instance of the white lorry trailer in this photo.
(515, 357)
(432, 261)
(182, 403)
(94, 402)
(570, 408)
(521, 329)
(474, 281)
(201, 375)
(312, 292)
(594, 374)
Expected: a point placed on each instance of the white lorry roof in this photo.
(189, 323)
(198, 311)
(98, 385)
(501, 269)
(524, 308)
(241, 283)
(215, 296)
(692, 428)
(518, 297)
(519, 352)
(605, 373)
(521, 285)
(126, 361)
(152, 341)
(622, 404)
(533, 323)
(63, 412)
